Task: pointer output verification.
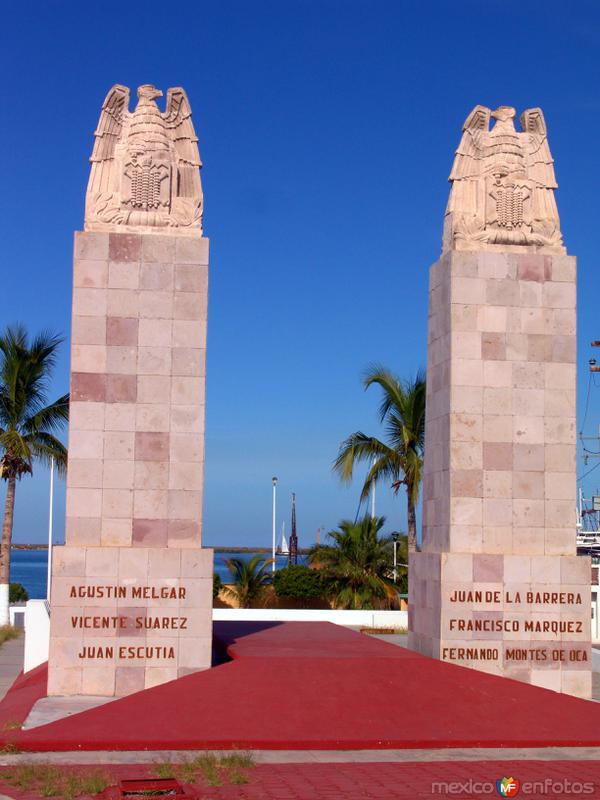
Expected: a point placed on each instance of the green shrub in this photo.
(17, 593)
(298, 581)
(217, 585)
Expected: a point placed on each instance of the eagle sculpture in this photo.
(145, 165)
(503, 185)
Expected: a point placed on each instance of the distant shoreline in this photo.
(266, 550)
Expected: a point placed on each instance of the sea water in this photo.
(30, 568)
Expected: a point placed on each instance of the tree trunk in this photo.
(7, 528)
(411, 523)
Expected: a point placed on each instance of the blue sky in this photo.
(327, 131)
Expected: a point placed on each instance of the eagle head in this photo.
(148, 92)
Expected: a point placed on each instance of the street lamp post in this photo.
(274, 479)
(395, 537)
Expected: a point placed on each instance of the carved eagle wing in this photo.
(178, 117)
(470, 153)
(114, 110)
(539, 158)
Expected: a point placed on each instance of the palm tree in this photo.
(400, 460)
(27, 425)
(251, 579)
(357, 567)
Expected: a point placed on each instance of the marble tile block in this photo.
(498, 578)
(132, 587)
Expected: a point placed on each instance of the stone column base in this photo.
(520, 616)
(126, 619)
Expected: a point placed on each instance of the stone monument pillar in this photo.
(131, 600)
(498, 585)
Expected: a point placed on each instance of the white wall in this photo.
(373, 619)
(37, 633)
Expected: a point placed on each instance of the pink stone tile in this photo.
(88, 330)
(152, 446)
(118, 475)
(493, 346)
(559, 402)
(86, 416)
(64, 681)
(85, 473)
(190, 476)
(155, 332)
(559, 295)
(164, 563)
(528, 402)
(190, 448)
(98, 681)
(88, 358)
(117, 503)
(121, 388)
(559, 541)
(559, 430)
(120, 417)
(184, 504)
(497, 512)
(559, 513)
(90, 274)
(129, 680)
(539, 347)
(155, 676)
(457, 567)
(465, 483)
(560, 376)
(559, 457)
(152, 417)
(497, 401)
(497, 428)
(187, 419)
(122, 331)
(497, 373)
(563, 349)
(530, 294)
(101, 562)
(545, 569)
(154, 389)
(534, 267)
(467, 399)
(187, 391)
(564, 268)
(116, 532)
(121, 360)
(491, 319)
(463, 455)
(124, 247)
(86, 444)
(123, 303)
(528, 457)
(466, 372)
(528, 485)
(88, 387)
(157, 277)
(560, 486)
(156, 305)
(533, 320)
(189, 333)
(190, 305)
(151, 475)
(191, 278)
(191, 250)
(497, 539)
(528, 375)
(517, 346)
(154, 361)
(528, 513)
(82, 531)
(188, 361)
(68, 561)
(466, 511)
(502, 293)
(497, 455)
(133, 564)
(488, 568)
(497, 483)
(89, 302)
(184, 533)
(123, 275)
(149, 533)
(158, 248)
(118, 445)
(528, 429)
(197, 563)
(90, 245)
(150, 504)
(466, 427)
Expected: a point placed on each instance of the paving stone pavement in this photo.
(11, 663)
